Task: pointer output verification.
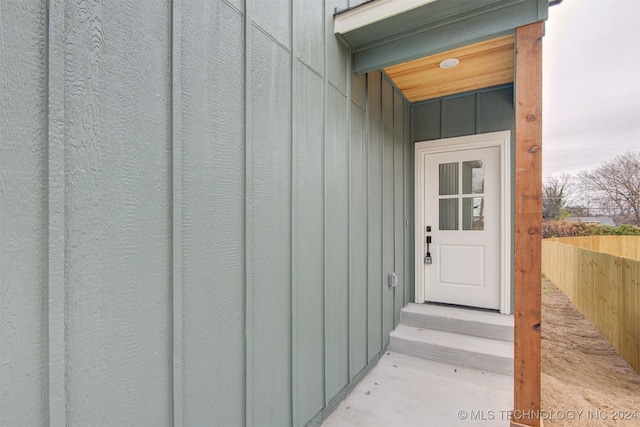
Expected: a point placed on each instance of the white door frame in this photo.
(502, 140)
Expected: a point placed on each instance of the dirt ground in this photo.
(581, 371)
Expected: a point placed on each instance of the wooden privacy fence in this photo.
(622, 246)
(601, 276)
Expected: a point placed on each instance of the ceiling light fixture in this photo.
(449, 63)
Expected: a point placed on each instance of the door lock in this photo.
(427, 257)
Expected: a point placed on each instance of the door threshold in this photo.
(462, 307)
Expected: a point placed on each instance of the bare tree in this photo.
(614, 186)
(555, 192)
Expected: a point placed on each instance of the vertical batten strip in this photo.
(476, 116)
(398, 221)
(393, 197)
(176, 212)
(405, 216)
(366, 147)
(324, 200)
(442, 117)
(405, 193)
(374, 206)
(248, 12)
(349, 308)
(56, 213)
(292, 195)
(528, 220)
(409, 197)
(245, 280)
(380, 279)
(407, 178)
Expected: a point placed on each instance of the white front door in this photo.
(462, 226)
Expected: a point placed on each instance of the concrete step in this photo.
(484, 354)
(458, 320)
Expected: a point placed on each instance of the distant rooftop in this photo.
(604, 220)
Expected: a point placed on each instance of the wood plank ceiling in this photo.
(485, 64)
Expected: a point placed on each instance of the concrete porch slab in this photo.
(408, 391)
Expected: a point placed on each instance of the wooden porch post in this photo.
(528, 224)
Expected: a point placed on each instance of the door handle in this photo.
(427, 257)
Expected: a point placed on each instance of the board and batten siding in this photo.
(481, 111)
(23, 214)
(200, 204)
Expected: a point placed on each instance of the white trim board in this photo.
(375, 11)
(502, 140)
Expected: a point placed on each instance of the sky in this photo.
(591, 83)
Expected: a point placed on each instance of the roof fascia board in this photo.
(543, 10)
(428, 15)
(459, 32)
(372, 12)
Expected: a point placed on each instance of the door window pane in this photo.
(473, 177)
(473, 213)
(448, 178)
(449, 214)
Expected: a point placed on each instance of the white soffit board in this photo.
(372, 12)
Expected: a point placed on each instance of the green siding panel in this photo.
(308, 245)
(387, 103)
(336, 52)
(236, 4)
(308, 40)
(495, 110)
(399, 216)
(337, 243)
(273, 18)
(118, 198)
(269, 231)
(118, 214)
(426, 119)
(374, 87)
(358, 242)
(213, 213)
(459, 116)
(23, 214)
(359, 90)
(398, 113)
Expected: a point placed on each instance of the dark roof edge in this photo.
(337, 12)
